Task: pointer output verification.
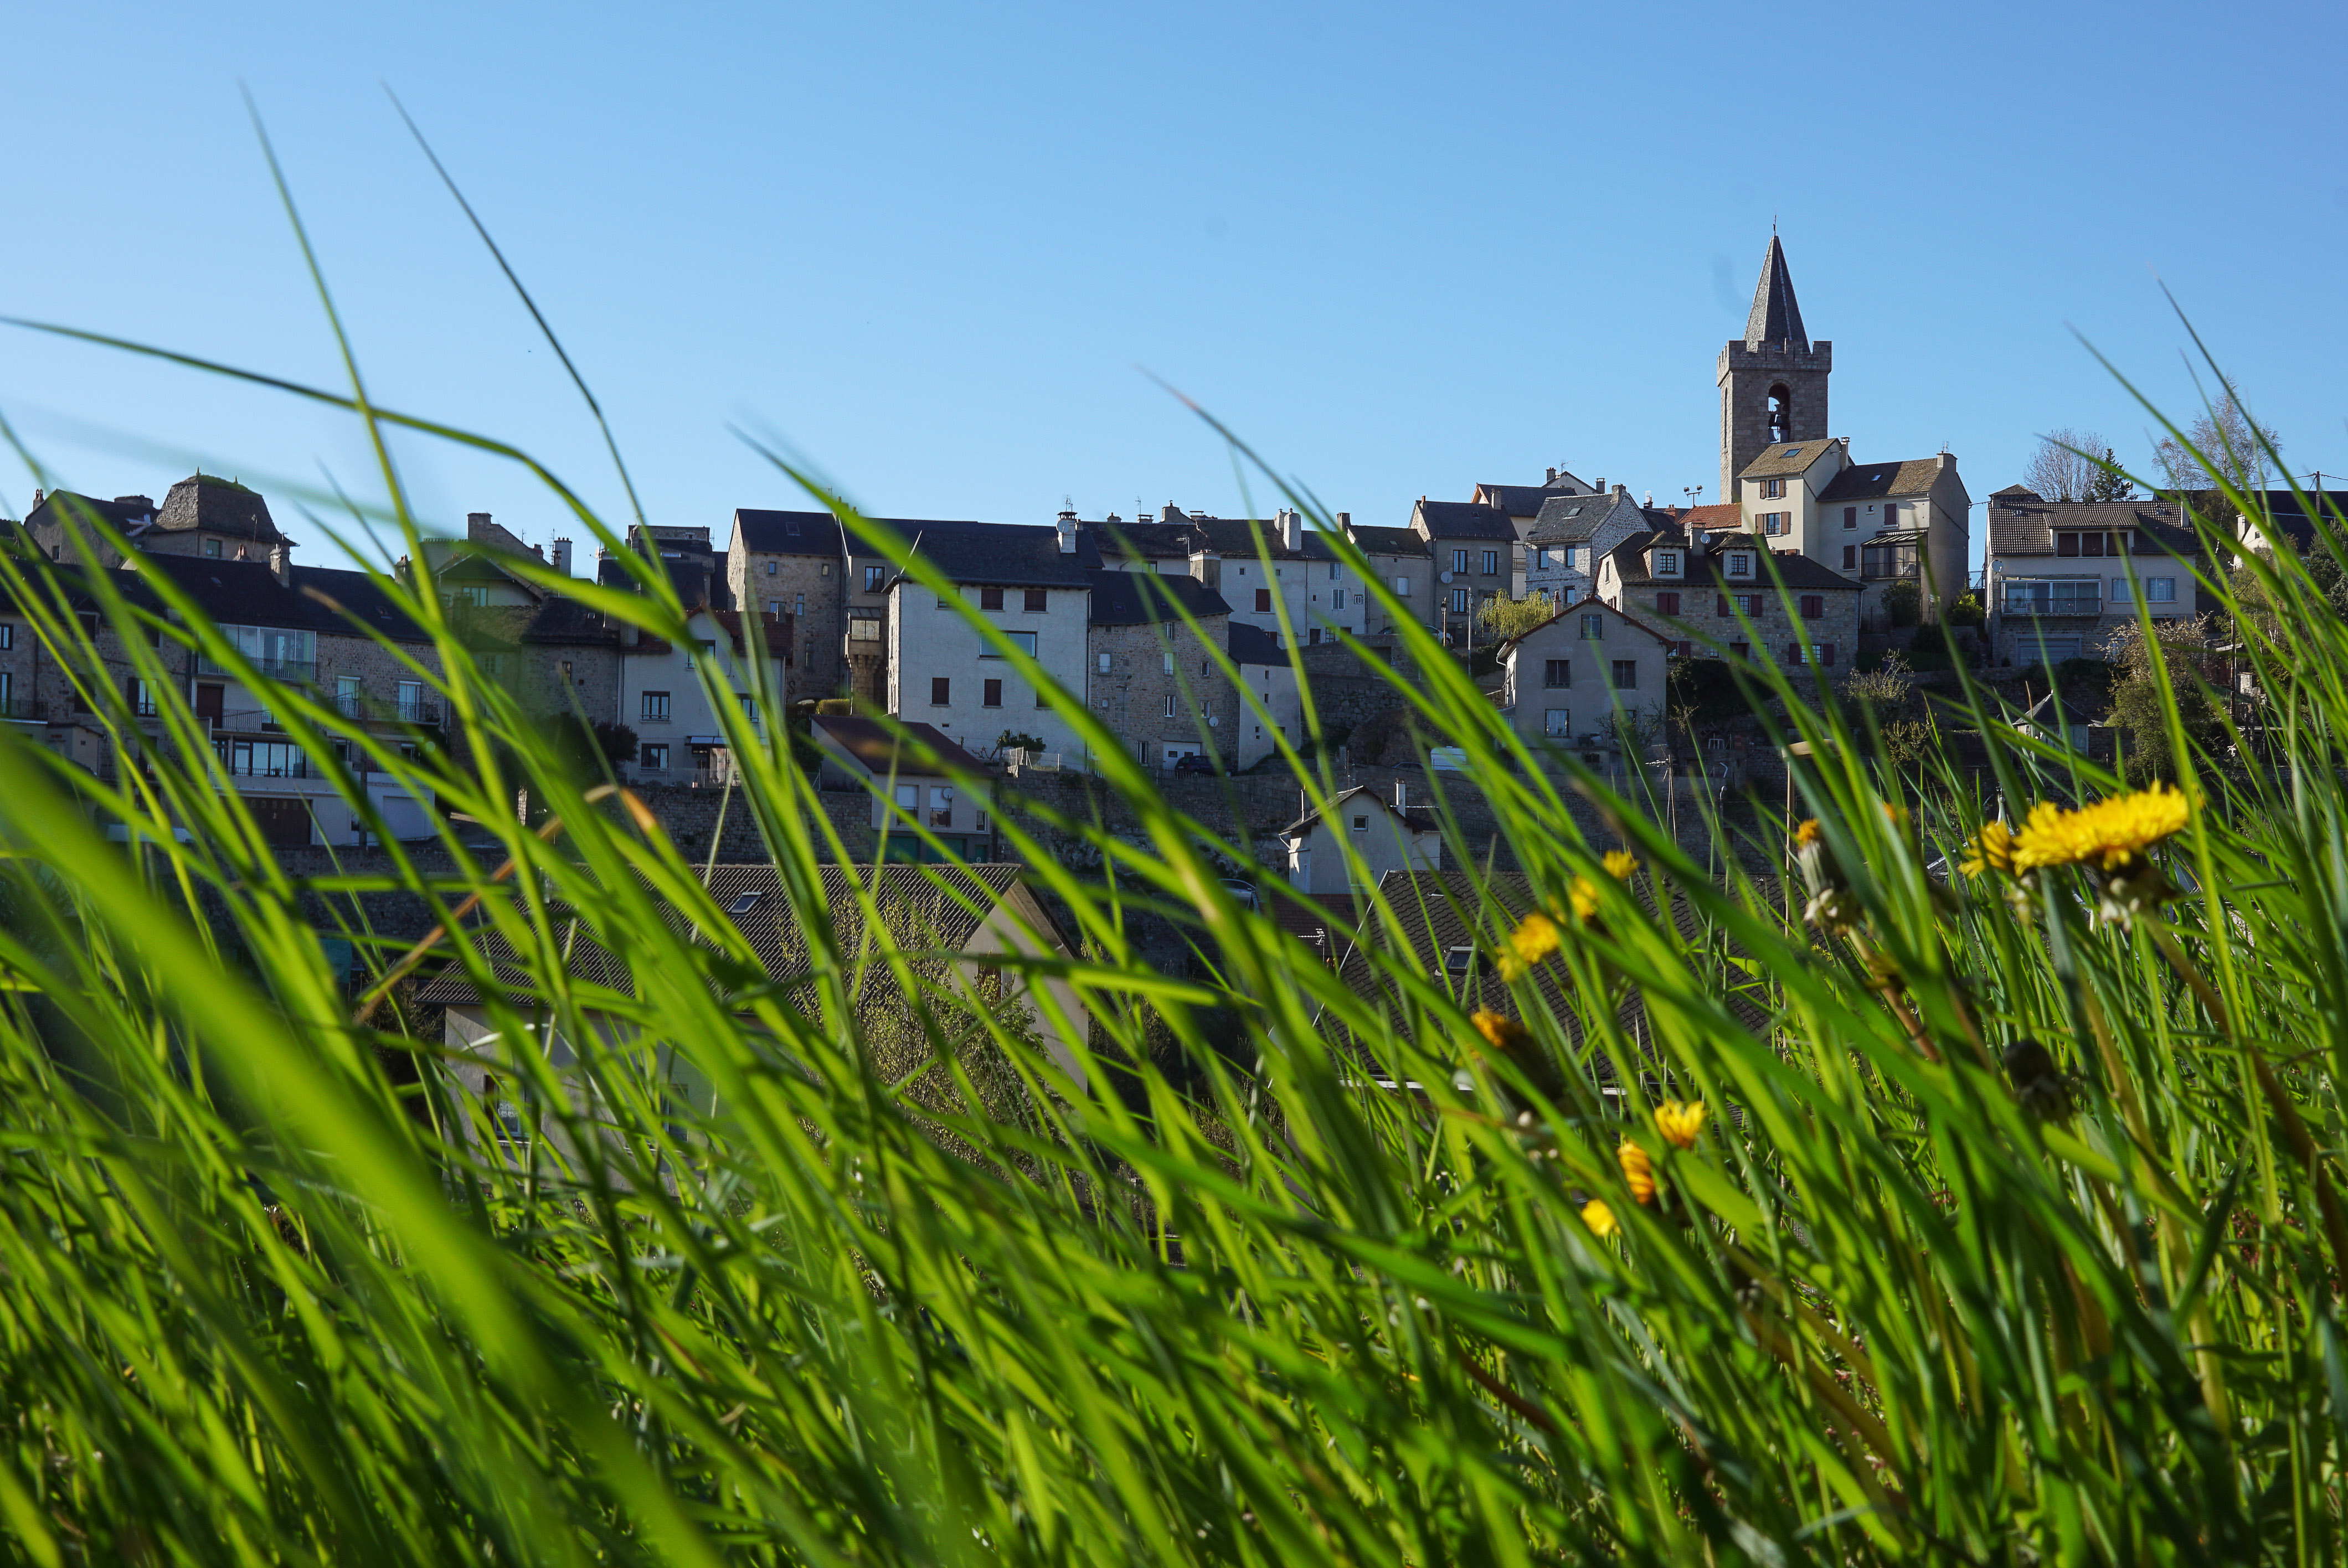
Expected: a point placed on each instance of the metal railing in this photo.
(262, 759)
(404, 710)
(301, 670)
(1018, 758)
(20, 708)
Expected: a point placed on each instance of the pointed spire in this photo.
(1776, 317)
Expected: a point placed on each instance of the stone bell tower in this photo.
(1773, 383)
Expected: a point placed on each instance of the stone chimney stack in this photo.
(1553, 475)
(1292, 528)
(563, 557)
(477, 526)
(1067, 524)
(280, 562)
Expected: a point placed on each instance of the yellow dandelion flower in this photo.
(1583, 898)
(1638, 1170)
(1598, 1218)
(2108, 835)
(1527, 945)
(1499, 1032)
(1621, 865)
(1680, 1124)
(1897, 815)
(1807, 834)
(1991, 849)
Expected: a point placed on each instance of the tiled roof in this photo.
(1587, 607)
(764, 532)
(1705, 567)
(1463, 521)
(1251, 644)
(1867, 481)
(2018, 527)
(929, 915)
(1792, 457)
(1144, 598)
(1376, 541)
(923, 748)
(1724, 516)
(1775, 316)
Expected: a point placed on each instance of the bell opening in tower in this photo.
(1781, 415)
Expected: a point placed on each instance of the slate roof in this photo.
(1791, 458)
(2027, 528)
(131, 514)
(247, 593)
(1463, 521)
(1705, 567)
(218, 506)
(2290, 514)
(935, 917)
(1587, 607)
(1120, 598)
(1523, 500)
(1232, 537)
(1140, 541)
(1251, 644)
(1867, 481)
(1376, 541)
(1412, 818)
(991, 555)
(922, 750)
(1777, 316)
(1569, 520)
(762, 532)
(561, 619)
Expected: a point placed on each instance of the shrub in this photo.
(1903, 603)
(1966, 609)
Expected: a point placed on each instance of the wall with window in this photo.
(938, 668)
(1320, 595)
(805, 586)
(1570, 677)
(661, 698)
(1158, 689)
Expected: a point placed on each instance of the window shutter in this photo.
(1793, 653)
(1724, 604)
(1826, 652)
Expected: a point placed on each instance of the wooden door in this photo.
(284, 822)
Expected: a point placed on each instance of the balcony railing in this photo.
(262, 759)
(301, 671)
(20, 708)
(404, 710)
(2083, 596)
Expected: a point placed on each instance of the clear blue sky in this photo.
(934, 249)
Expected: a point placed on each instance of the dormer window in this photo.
(1458, 961)
(1740, 563)
(1667, 563)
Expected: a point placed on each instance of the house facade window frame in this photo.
(653, 708)
(940, 690)
(1556, 674)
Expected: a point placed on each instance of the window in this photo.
(1667, 562)
(654, 756)
(1491, 563)
(873, 577)
(1168, 661)
(143, 698)
(653, 708)
(1626, 675)
(1850, 517)
(1459, 560)
(1556, 722)
(1035, 601)
(749, 708)
(2066, 596)
(1773, 488)
(562, 672)
(346, 696)
(771, 569)
(1740, 651)
(774, 606)
(1103, 663)
(1169, 704)
(1667, 604)
(1557, 672)
(978, 821)
(1593, 626)
(2066, 544)
(2160, 590)
(1401, 588)
(709, 650)
(2120, 592)
(1814, 605)
(799, 604)
(744, 903)
(1263, 602)
(941, 806)
(864, 629)
(990, 598)
(7, 636)
(907, 797)
(1541, 558)
(941, 692)
(1740, 563)
(1336, 598)
(2092, 544)
(1795, 654)
(1314, 637)
(1362, 825)
(990, 694)
(1023, 641)
(211, 549)
(412, 708)
(1747, 604)
(1850, 558)
(1459, 601)
(1826, 652)
(1458, 961)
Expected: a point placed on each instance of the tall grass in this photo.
(2011, 1234)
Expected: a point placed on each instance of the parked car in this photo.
(1243, 892)
(1195, 762)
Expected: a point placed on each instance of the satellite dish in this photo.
(1445, 577)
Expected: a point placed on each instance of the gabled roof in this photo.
(1141, 541)
(989, 555)
(2290, 514)
(923, 749)
(247, 593)
(761, 532)
(1376, 541)
(1586, 607)
(1775, 316)
(1788, 458)
(2027, 528)
(1251, 644)
(1149, 599)
(1869, 481)
(1721, 517)
(131, 514)
(1463, 520)
(1569, 520)
(935, 906)
(1416, 820)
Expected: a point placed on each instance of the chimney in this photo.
(1650, 499)
(1292, 528)
(1601, 486)
(1068, 525)
(1345, 521)
(1402, 794)
(36, 500)
(280, 562)
(1621, 489)
(477, 526)
(1553, 475)
(563, 557)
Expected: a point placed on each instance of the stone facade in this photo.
(795, 564)
(1580, 672)
(1570, 535)
(1773, 383)
(1731, 594)
(1158, 689)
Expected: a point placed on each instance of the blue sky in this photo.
(941, 252)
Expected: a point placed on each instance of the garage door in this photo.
(283, 822)
(2052, 649)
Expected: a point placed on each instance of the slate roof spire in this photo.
(1775, 316)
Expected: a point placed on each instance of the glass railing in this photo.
(303, 672)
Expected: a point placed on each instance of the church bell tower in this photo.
(1773, 382)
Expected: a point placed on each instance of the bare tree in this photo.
(2223, 445)
(2060, 469)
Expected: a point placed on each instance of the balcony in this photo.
(23, 710)
(407, 709)
(261, 759)
(289, 671)
(2082, 596)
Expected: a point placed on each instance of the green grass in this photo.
(268, 1299)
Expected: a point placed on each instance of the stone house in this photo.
(203, 515)
(1731, 593)
(1880, 523)
(2065, 576)
(1478, 556)
(1523, 502)
(1772, 380)
(795, 564)
(1399, 559)
(940, 671)
(1582, 674)
(1357, 841)
(1150, 679)
(1570, 535)
(907, 768)
(1320, 591)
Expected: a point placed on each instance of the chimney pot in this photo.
(1601, 486)
(563, 557)
(1553, 475)
(1345, 521)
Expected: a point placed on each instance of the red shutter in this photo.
(1826, 652)
(1263, 602)
(1724, 604)
(1812, 605)
(1687, 648)
(1793, 653)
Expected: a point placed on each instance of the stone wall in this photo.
(1162, 687)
